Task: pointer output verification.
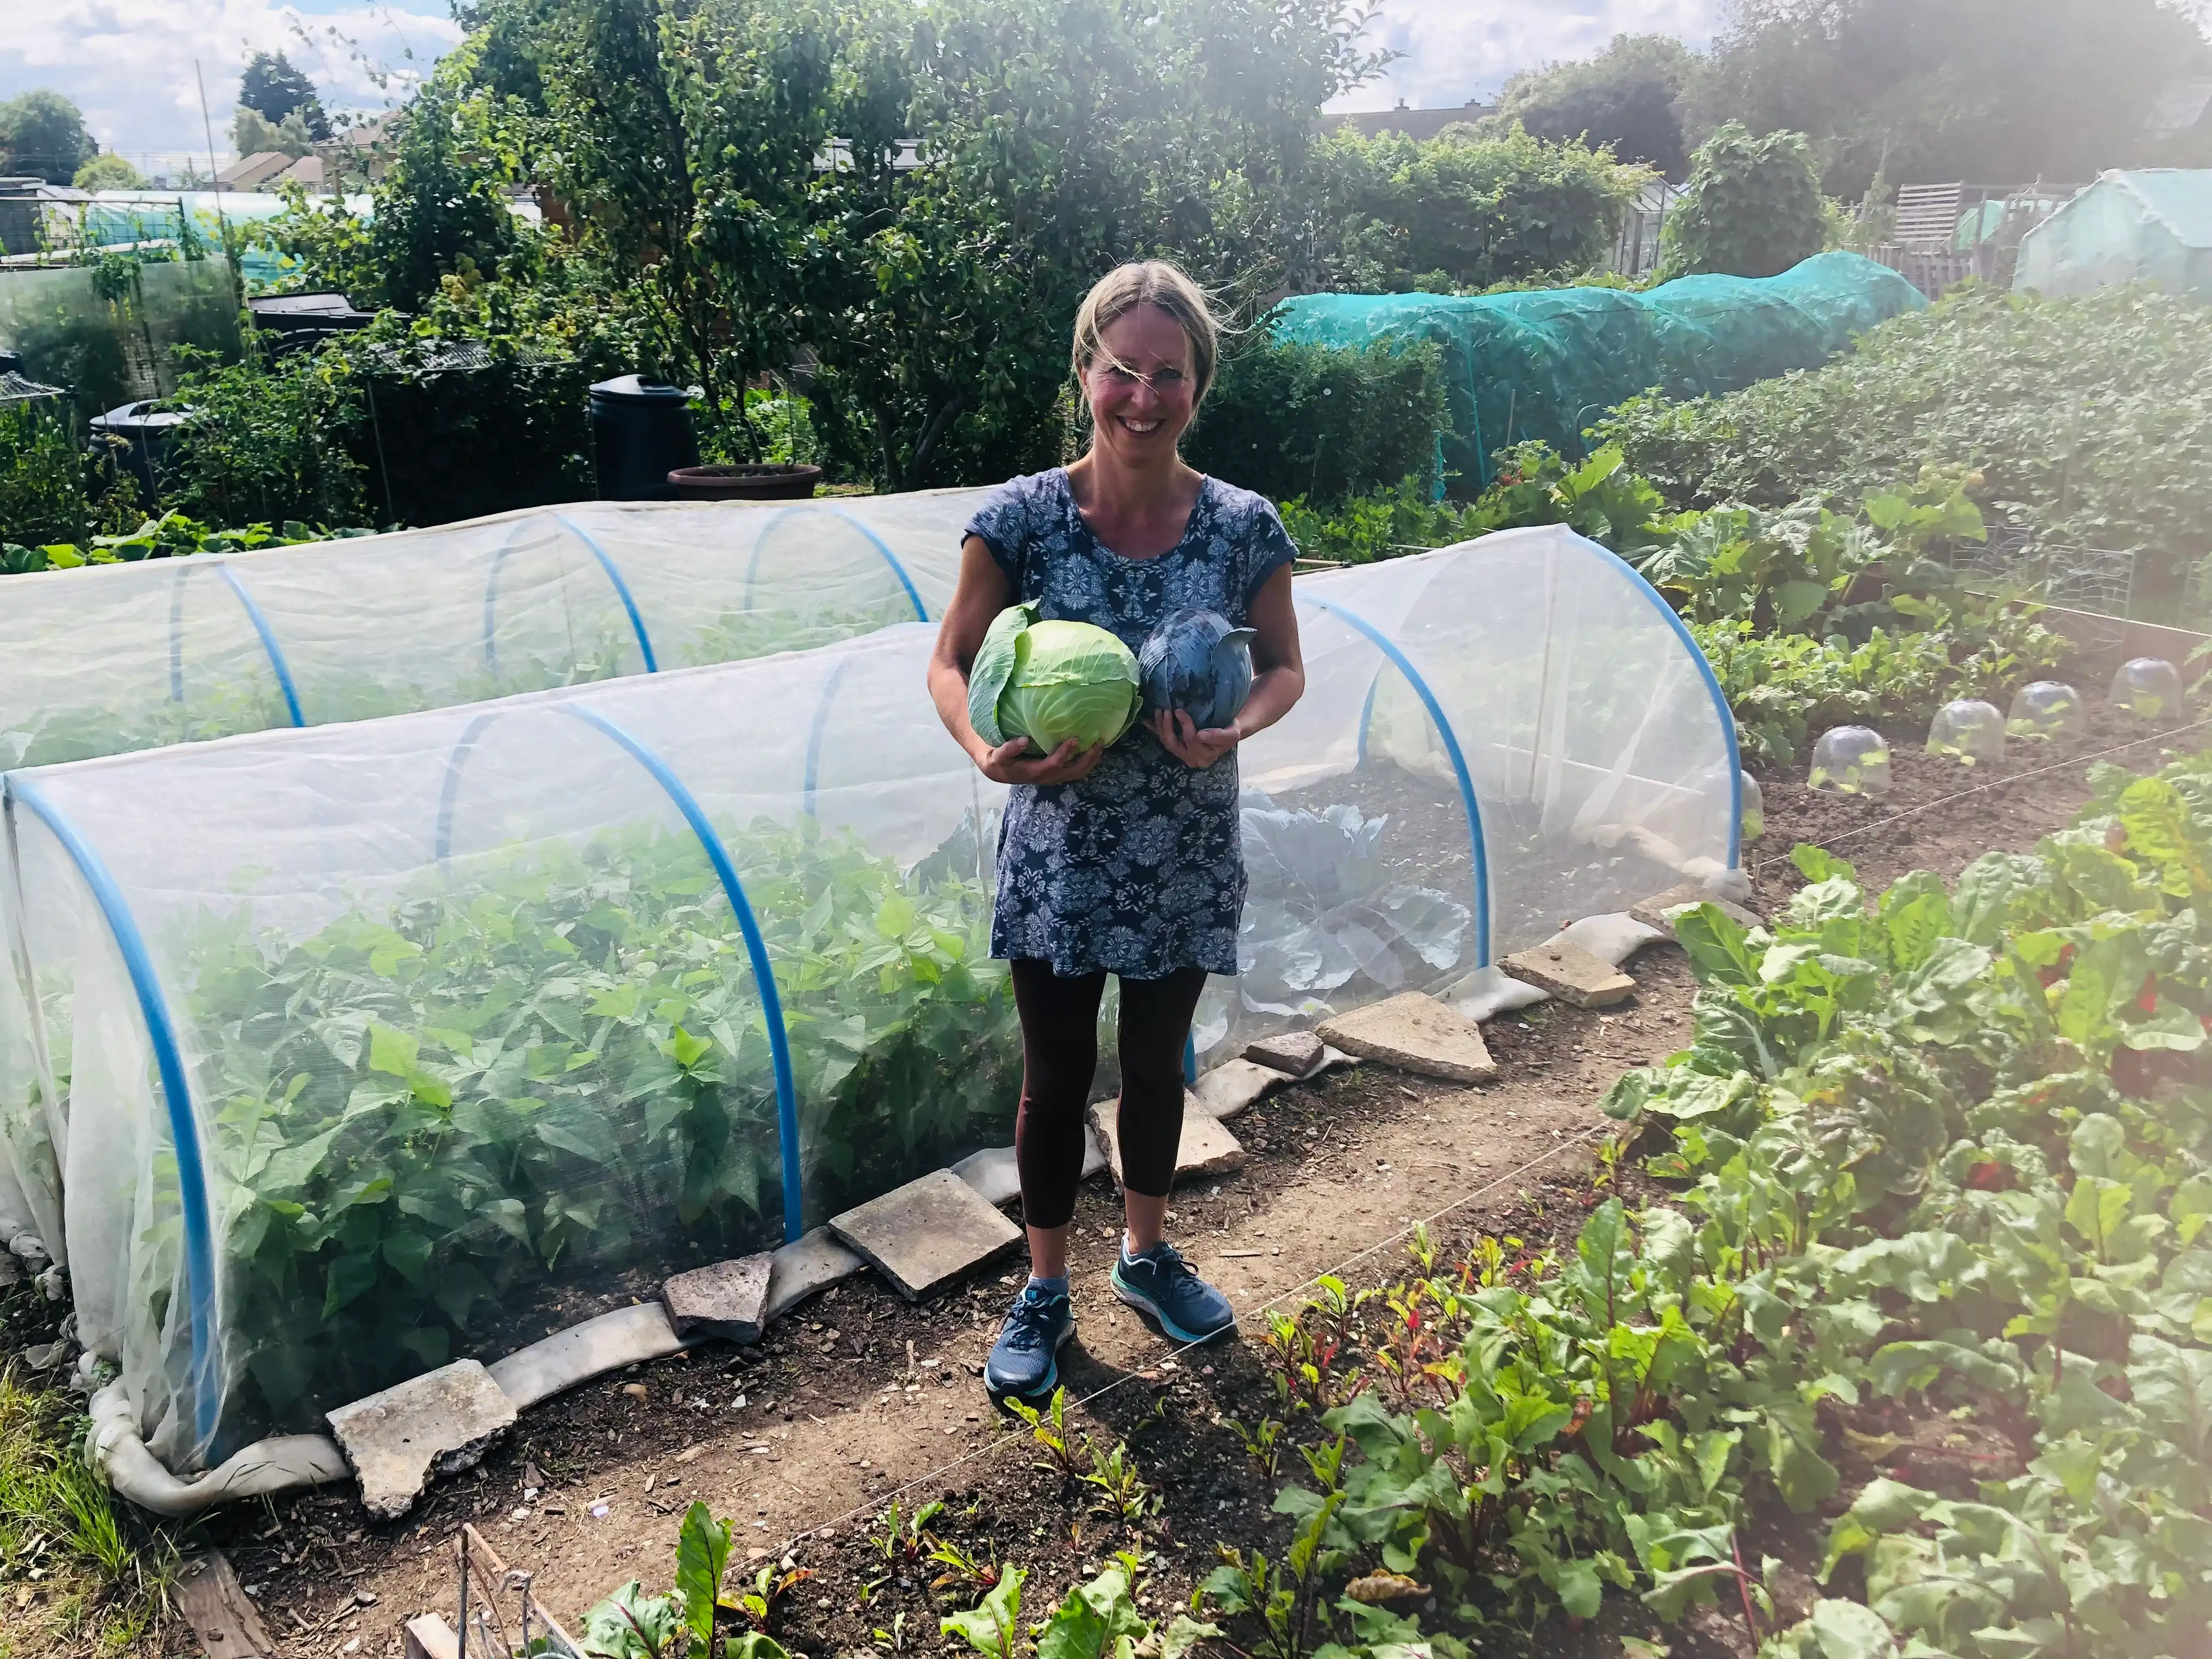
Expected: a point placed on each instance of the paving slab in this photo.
(1652, 912)
(1205, 1147)
(586, 1350)
(728, 1299)
(812, 1261)
(995, 1174)
(1294, 1053)
(1229, 1087)
(1414, 1033)
(1570, 973)
(926, 1234)
(443, 1420)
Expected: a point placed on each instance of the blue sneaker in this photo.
(1162, 1283)
(1025, 1360)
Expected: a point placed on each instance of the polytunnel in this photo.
(335, 1054)
(102, 660)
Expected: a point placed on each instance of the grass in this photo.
(78, 1573)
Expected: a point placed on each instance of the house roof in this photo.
(1413, 123)
(250, 171)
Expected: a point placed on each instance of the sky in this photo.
(128, 64)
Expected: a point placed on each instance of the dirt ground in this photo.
(857, 1399)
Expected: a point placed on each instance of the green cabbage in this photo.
(1051, 681)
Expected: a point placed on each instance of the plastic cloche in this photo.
(2149, 688)
(1850, 760)
(2047, 709)
(1969, 731)
(1755, 809)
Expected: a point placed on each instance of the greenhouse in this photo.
(332, 1054)
(102, 660)
(1543, 364)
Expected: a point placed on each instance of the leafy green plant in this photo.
(559, 1064)
(1380, 524)
(692, 1621)
(1597, 497)
(2085, 421)
(1095, 1620)
(1751, 208)
(1066, 1449)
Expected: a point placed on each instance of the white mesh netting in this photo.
(334, 1054)
(104, 659)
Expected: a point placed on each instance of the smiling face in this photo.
(1141, 386)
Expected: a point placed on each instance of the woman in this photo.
(1125, 860)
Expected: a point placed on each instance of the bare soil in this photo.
(859, 1398)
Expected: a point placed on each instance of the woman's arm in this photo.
(982, 594)
(1279, 680)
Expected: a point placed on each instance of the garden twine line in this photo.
(1011, 1436)
(2005, 782)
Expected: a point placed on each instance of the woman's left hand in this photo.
(1194, 748)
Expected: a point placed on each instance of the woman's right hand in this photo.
(1007, 764)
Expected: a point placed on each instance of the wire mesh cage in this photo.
(332, 1054)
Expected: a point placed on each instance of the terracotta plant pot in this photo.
(785, 483)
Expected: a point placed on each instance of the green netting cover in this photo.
(1544, 364)
(2150, 226)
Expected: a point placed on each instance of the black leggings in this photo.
(1060, 1056)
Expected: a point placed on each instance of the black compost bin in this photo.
(142, 435)
(641, 433)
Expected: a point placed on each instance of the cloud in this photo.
(128, 64)
(1456, 49)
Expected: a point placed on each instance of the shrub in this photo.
(1322, 422)
(46, 479)
(1752, 207)
(1394, 214)
(263, 442)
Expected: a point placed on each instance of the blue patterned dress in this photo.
(1139, 868)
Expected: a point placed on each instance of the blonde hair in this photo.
(1149, 282)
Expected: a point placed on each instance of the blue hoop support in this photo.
(752, 563)
(177, 632)
(268, 642)
(491, 600)
(449, 786)
(815, 735)
(1721, 709)
(622, 588)
(1404, 665)
(176, 1092)
(787, 1091)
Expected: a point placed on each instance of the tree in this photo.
(252, 134)
(1752, 207)
(108, 171)
(1622, 99)
(1993, 92)
(43, 134)
(273, 89)
(1058, 137)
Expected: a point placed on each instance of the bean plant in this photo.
(433, 1119)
